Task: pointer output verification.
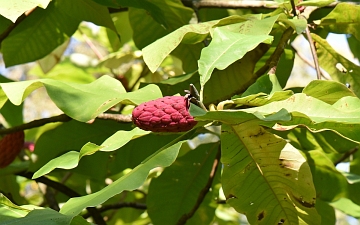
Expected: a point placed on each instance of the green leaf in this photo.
(175, 192)
(343, 19)
(224, 84)
(71, 159)
(267, 84)
(9, 210)
(225, 48)
(82, 102)
(265, 177)
(347, 206)
(317, 3)
(54, 25)
(14, 9)
(67, 161)
(342, 117)
(122, 137)
(148, 29)
(129, 181)
(325, 175)
(63, 139)
(326, 212)
(327, 91)
(339, 68)
(43, 216)
(156, 52)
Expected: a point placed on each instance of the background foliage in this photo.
(265, 151)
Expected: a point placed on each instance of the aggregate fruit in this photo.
(10, 146)
(167, 114)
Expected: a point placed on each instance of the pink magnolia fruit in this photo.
(167, 114)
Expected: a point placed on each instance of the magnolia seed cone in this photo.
(167, 114)
(10, 146)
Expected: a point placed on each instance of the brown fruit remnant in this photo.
(10, 146)
(167, 114)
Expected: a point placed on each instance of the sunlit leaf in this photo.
(266, 178)
(81, 101)
(155, 53)
(327, 91)
(225, 48)
(129, 181)
(12, 10)
(344, 19)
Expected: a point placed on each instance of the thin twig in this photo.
(275, 56)
(346, 155)
(95, 214)
(313, 52)
(119, 205)
(203, 192)
(91, 45)
(310, 63)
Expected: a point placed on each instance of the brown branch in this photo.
(116, 117)
(95, 214)
(119, 205)
(240, 4)
(203, 192)
(63, 118)
(346, 155)
(273, 60)
(36, 123)
(313, 52)
(10, 28)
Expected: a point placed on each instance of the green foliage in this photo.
(263, 151)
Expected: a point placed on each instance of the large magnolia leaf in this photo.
(175, 192)
(13, 9)
(71, 159)
(54, 25)
(225, 48)
(155, 53)
(327, 90)
(338, 67)
(81, 101)
(9, 210)
(265, 177)
(129, 181)
(344, 19)
(342, 117)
